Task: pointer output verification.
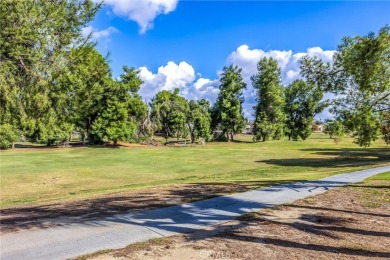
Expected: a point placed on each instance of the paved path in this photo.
(115, 232)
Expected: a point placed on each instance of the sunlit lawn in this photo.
(29, 176)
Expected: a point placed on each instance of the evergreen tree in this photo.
(269, 111)
(228, 114)
(89, 75)
(199, 119)
(137, 108)
(169, 113)
(120, 109)
(35, 40)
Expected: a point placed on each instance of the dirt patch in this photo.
(55, 214)
(339, 224)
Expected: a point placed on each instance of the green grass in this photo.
(78, 173)
(382, 177)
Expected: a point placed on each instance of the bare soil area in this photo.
(346, 223)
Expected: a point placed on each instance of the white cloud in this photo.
(96, 34)
(181, 76)
(143, 12)
(289, 63)
(193, 86)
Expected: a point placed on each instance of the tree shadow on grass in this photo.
(27, 145)
(42, 216)
(336, 158)
(243, 141)
(53, 214)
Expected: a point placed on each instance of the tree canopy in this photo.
(269, 110)
(53, 81)
(169, 111)
(228, 107)
(303, 102)
(359, 77)
(36, 41)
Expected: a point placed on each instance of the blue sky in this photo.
(185, 43)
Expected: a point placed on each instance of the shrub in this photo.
(7, 136)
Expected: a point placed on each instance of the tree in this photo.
(269, 111)
(199, 119)
(386, 127)
(360, 78)
(335, 130)
(112, 122)
(35, 40)
(228, 107)
(303, 102)
(169, 112)
(121, 108)
(137, 108)
(7, 136)
(88, 75)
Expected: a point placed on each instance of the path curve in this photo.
(76, 239)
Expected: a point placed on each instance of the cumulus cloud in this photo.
(181, 76)
(193, 86)
(247, 59)
(96, 34)
(288, 62)
(143, 12)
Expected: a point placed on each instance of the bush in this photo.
(7, 136)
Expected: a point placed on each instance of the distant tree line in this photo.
(54, 82)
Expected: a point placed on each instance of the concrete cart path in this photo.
(76, 239)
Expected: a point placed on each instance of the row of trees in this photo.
(280, 110)
(53, 82)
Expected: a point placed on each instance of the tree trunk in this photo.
(231, 136)
(13, 145)
(83, 137)
(87, 126)
(115, 142)
(192, 138)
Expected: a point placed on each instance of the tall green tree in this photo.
(360, 78)
(302, 103)
(112, 122)
(199, 119)
(269, 111)
(88, 76)
(35, 40)
(121, 109)
(137, 108)
(228, 113)
(169, 111)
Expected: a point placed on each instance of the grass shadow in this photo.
(336, 158)
(42, 216)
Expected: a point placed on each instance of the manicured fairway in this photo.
(76, 173)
